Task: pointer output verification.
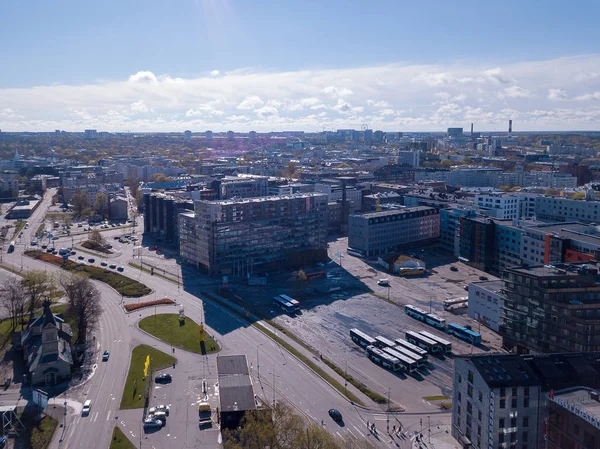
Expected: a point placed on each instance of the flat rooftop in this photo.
(262, 199)
(560, 269)
(386, 213)
(504, 370)
(581, 399)
(491, 286)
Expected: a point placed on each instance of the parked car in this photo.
(159, 414)
(120, 269)
(81, 257)
(91, 260)
(159, 408)
(104, 264)
(335, 415)
(483, 278)
(150, 423)
(33, 243)
(73, 253)
(105, 356)
(163, 378)
(112, 266)
(453, 268)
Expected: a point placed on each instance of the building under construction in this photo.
(242, 237)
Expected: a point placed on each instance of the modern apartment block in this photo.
(241, 186)
(377, 233)
(486, 303)
(450, 227)
(518, 401)
(477, 242)
(551, 308)
(553, 208)
(161, 215)
(242, 236)
(498, 206)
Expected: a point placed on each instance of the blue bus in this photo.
(464, 334)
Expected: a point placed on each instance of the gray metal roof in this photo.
(232, 364)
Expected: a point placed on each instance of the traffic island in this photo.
(180, 332)
(137, 383)
(122, 284)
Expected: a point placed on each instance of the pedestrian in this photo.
(368, 424)
(394, 428)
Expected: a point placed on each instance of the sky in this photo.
(274, 65)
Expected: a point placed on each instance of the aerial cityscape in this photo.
(290, 225)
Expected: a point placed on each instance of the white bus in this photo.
(283, 304)
(356, 252)
(456, 303)
(409, 364)
(412, 348)
(444, 344)
(292, 301)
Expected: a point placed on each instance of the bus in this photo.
(356, 252)
(456, 303)
(361, 338)
(423, 342)
(411, 355)
(445, 345)
(409, 364)
(292, 301)
(415, 312)
(382, 342)
(427, 318)
(463, 333)
(435, 321)
(283, 304)
(412, 348)
(383, 359)
(11, 247)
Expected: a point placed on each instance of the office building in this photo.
(477, 242)
(161, 216)
(368, 135)
(455, 132)
(450, 227)
(515, 401)
(230, 135)
(485, 303)
(551, 308)
(208, 135)
(573, 419)
(239, 237)
(373, 203)
(90, 134)
(498, 206)
(553, 208)
(377, 233)
(252, 136)
(507, 245)
(187, 135)
(412, 158)
(243, 186)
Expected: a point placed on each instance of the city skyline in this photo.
(227, 65)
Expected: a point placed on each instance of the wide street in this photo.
(282, 376)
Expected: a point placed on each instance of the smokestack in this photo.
(509, 128)
(471, 129)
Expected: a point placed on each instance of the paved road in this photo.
(281, 374)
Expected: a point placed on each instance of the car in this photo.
(158, 414)
(113, 225)
(104, 264)
(112, 266)
(159, 408)
(87, 405)
(117, 237)
(466, 287)
(54, 251)
(163, 378)
(383, 282)
(453, 268)
(150, 423)
(91, 260)
(49, 250)
(33, 243)
(73, 253)
(108, 246)
(105, 356)
(483, 278)
(120, 269)
(468, 326)
(81, 257)
(335, 415)
(44, 246)
(55, 238)
(79, 225)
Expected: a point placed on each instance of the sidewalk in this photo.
(368, 403)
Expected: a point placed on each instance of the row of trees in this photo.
(82, 207)
(280, 428)
(22, 297)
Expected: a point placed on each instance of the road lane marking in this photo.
(96, 417)
(338, 434)
(108, 415)
(351, 433)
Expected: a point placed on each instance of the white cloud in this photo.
(250, 102)
(557, 94)
(214, 73)
(516, 92)
(391, 97)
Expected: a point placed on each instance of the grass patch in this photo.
(124, 285)
(40, 230)
(446, 405)
(18, 228)
(41, 434)
(136, 397)
(57, 216)
(120, 441)
(183, 335)
(292, 350)
(435, 398)
(95, 246)
(375, 397)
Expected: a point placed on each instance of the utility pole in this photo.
(430, 299)
(388, 413)
(346, 378)
(429, 427)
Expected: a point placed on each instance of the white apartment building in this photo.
(502, 207)
(412, 158)
(485, 303)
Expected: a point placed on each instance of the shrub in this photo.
(141, 305)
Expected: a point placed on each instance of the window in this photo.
(480, 396)
(501, 423)
(525, 421)
(479, 415)
(470, 377)
(459, 396)
(526, 391)
(459, 379)
(513, 422)
(526, 402)
(470, 390)
(525, 437)
(501, 438)
(502, 392)
(469, 407)
(513, 437)
(514, 391)
(513, 403)
(502, 403)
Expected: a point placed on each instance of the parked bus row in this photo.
(457, 330)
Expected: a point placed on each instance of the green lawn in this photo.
(40, 230)
(186, 335)
(135, 397)
(41, 435)
(120, 441)
(19, 227)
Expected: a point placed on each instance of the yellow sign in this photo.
(146, 365)
(201, 326)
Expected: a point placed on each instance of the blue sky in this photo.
(321, 58)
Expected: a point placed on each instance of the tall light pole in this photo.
(258, 361)
(388, 413)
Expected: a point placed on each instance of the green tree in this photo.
(101, 203)
(84, 303)
(80, 202)
(161, 177)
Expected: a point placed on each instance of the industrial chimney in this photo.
(471, 129)
(509, 128)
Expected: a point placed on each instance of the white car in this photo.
(152, 422)
(159, 408)
(87, 405)
(158, 415)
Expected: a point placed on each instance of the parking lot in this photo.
(349, 297)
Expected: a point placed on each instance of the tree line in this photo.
(21, 298)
